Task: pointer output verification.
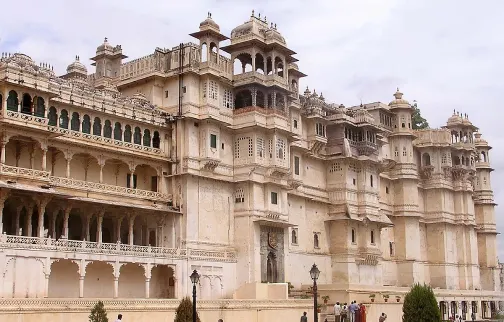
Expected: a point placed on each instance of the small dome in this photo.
(209, 22)
(399, 101)
(77, 67)
(273, 34)
(105, 45)
(479, 141)
(455, 119)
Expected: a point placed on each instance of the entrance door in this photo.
(271, 268)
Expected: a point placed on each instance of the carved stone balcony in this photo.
(24, 119)
(16, 172)
(270, 118)
(94, 248)
(258, 78)
(106, 141)
(364, 147)
(426, 171)
(108, 189)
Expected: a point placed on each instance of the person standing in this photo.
(337, 312)
(344, 313)
(383, 317)
(352, 309)
(357, 312)
(304, 318)
(362, 313)
(119, 318)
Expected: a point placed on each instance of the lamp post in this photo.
(314, 273)
(194, 279)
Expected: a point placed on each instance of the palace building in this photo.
(119, 182)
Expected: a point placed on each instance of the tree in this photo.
(184, 311)
(418, 122)
(420, 305)
(98, 313)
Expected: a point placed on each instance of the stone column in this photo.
(44, 159)
(254, 97)
(87, 234)
(65, 221)
(46, 286)
(147, 287)
(16, 222)
(99, 233)
(4, 194)
(101, 173)
(118, 228)
(130, 229)
(68, 160)
(273, 99)
(42, 204)
(116, 287)
(28, 224)
(3, 144)
(81, 286)
(54, 217)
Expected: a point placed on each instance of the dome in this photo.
(479, 141)
(77, 67)
(105, 45)
(455, 119)
(209, 22)
(399, 102)
(273, 34)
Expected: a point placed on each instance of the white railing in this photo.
(9, 170)
(106, 188)
(66, 245)
(104, 140)
(27, 118)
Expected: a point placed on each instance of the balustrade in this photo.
(23, 172)
(27, 118)
(66, 245)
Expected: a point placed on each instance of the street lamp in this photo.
(314, 273)
(194, 279)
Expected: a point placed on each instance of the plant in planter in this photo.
(386, 297)
(372, 297)
(319, 307)
(326, 298)
(398, 298)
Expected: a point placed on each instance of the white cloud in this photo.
(445, 54)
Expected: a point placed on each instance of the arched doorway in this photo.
(271, 268)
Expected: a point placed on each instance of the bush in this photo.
(98, 313)
(420, 305)
(184, 311)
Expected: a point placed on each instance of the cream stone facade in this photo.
(118, 183)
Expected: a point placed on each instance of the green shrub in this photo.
(184, 311)
(420, 305)
(98, 313)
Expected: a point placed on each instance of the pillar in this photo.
(68, 160)
(28, 224)
(16, 222)
(147, 288)
(132, 181)
(101, 172)
(54, 217)
(130, 229)
(148, 270)
(3, 144)
(116, 287)
(4, 194)
(87, 234)
(42, 204)
(44, 159)
(65, 221)
(118, 229)
(254, 97)
(99, 232)
(81, 286)
(46, 285)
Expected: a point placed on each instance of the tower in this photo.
(210, 37)
(108, 62)
(484, 208)
(406, 212)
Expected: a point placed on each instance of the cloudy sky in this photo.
(445, 54)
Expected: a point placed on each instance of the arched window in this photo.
(294, 236)
(137, 136)
(127, 133)
(97, 126)
(52, 116)
(353, 236)
(75, 126)
(86, 124)
(156, 141)
(12, 101)
(315, 240)
(146, 138)
(26, 107)
(117, 131)
(63, 121)
(483, 156)
(39, 104)
(107, 129)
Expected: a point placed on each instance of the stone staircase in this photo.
(300, 294)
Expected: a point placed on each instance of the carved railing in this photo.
(63, 244)
(9, 170)
(106, 188)
(104, 140)
(28, 118)
(262, 110)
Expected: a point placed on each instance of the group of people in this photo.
(350, 313)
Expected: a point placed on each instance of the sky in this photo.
(446, 54)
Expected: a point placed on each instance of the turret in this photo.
(210, 37)
(108, 60)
